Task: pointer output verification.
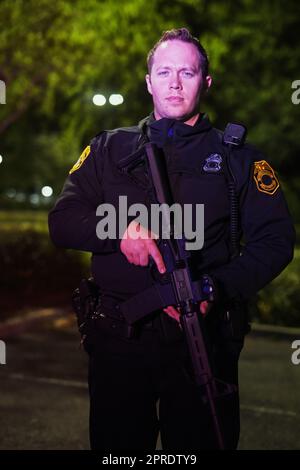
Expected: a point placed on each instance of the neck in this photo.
(190, 122)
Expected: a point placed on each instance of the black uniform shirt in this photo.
(196, 159)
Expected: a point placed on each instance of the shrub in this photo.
(279, 302)
(35, 272)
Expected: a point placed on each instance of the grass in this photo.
(24, 220)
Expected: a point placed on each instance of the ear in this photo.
(208, 82)
(148, 81)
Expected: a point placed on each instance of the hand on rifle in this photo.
(138, 243)
(205, 307)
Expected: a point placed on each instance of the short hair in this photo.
(180, 34)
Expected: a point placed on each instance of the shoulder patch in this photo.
(81, 159)
(265, 178)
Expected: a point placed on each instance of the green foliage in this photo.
(278, 303)
(33, 271)
(16, 221)
(56, 55)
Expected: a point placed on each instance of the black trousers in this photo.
(128, 378)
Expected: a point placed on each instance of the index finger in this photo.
(157, 257)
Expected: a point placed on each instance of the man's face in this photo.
(176, 80)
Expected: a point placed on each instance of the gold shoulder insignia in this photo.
(81, 159)
(265, 178)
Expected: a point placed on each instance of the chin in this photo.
(179, 115)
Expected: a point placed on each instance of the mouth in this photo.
(175, 99)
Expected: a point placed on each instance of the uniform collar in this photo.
(165, 129)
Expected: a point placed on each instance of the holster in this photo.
(87, 302)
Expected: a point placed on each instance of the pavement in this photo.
(19, 323)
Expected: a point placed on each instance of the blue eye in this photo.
(163, 72)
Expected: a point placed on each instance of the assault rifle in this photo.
(176, 286)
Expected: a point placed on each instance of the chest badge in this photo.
(265, 177)
(212, 163)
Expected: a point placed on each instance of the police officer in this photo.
(129, 375)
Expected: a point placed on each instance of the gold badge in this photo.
(265, 178)
(81, 159)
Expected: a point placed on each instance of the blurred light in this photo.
(99, 100)
(20, 197)
(47, 191)
(11, 193)
(34, 198)
(1, 159)
(116, 99)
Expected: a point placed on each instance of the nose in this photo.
(175, 82)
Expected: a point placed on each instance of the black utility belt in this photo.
(96, 312)
(108, 311)
(105, 323)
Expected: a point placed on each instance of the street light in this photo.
(99, 100)
(47, 191)
(116, 99)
